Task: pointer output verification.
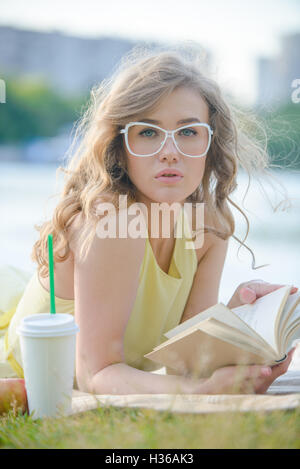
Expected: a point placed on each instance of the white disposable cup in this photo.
(48, 344)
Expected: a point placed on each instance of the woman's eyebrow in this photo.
(182, 121)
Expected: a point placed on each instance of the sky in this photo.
(236, 32)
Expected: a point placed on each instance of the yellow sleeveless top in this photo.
(158, 307)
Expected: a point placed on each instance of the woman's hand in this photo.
(248, 292)
(254, 379)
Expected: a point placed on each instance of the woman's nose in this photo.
(169, 150)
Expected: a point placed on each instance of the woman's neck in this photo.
(161, 218)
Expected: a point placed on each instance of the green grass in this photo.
(111, 427)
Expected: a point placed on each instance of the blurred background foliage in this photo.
(34, 109)
(283, 132)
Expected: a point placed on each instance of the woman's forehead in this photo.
(179, 106)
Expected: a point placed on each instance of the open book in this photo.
(252, 334)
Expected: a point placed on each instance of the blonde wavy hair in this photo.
(95, 168)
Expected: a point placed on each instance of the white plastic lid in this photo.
(48, 325)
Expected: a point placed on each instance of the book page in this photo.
(222, 331)
(264, 315)
(292, 302)
(219, 312)
(292, 331)
(294, 317)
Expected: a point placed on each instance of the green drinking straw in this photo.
(51, 274)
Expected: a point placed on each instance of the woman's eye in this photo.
(147, 132)
(188, 132)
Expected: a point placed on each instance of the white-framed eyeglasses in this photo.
(144, 139)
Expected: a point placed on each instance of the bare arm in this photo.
(105, 287)
(205, 288)
(121, 378)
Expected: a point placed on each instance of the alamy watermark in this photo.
(116, 223)
(2, 91)
(296, 93)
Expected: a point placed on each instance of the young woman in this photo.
(158, 114)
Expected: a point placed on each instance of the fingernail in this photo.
(266, 371)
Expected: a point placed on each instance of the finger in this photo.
(282, 368)
(253, 290)
(258, 379)
(250, 293)
(288, 359)
(291, 352)
(262, 289)
(260, 281)
(270, 374)
(254, 371)
(247, 295)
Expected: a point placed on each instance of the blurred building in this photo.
(275, 75)
(70, 64)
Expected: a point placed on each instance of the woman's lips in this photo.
(169, 179)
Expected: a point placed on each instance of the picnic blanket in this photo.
(284, 393)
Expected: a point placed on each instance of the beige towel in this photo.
(283, 394)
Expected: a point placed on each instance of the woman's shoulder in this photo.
(205, 217)
(93, 229)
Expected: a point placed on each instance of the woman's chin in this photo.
(170, 198)
(163, 197)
